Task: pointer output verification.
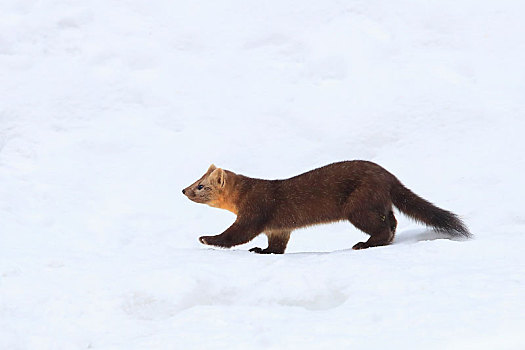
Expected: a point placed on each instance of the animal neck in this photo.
(229, 199)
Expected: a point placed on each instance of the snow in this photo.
(110, 108)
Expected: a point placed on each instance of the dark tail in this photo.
(427, 213)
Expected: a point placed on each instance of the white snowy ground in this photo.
(109, 108)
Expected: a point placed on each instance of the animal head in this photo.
(209, 189)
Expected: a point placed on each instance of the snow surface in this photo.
(109, 108)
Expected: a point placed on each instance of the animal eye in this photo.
(200, 187)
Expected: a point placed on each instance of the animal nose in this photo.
(183, 191)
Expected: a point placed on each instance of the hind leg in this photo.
(392, 223)
(380, 225)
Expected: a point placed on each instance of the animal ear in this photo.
(218, 176)
(211, 168)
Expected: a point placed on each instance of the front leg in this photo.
(277, 242)
(239, 232)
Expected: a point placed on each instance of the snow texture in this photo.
(109, 108)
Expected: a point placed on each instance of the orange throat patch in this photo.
(222, 203)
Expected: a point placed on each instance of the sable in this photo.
(359, 191)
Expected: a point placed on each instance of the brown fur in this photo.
(359, 191)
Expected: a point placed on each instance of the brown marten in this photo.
(359, 191)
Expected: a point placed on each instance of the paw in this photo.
(265, 251)
(360, 245)
(216, 241)
(205, 240)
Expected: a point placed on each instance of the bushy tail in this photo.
(427, 213)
